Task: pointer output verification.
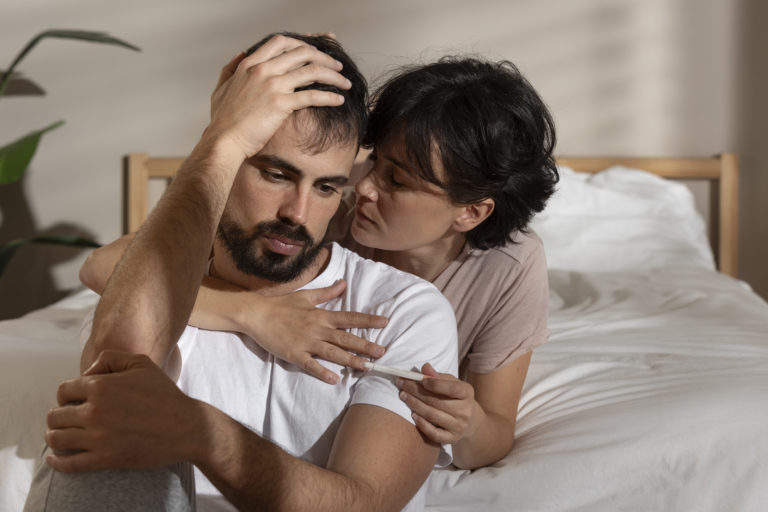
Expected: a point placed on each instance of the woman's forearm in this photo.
(219, 304)
(488, 443)
(492, 430)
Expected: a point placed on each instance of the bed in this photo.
(650, 395)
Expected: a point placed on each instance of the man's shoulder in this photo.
(409, 302)
(382, 279)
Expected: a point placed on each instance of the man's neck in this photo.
(224, 268)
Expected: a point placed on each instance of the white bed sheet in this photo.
(37, 352)
(652, 394)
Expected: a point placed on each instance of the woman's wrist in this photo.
(475, 421)
(247, 310)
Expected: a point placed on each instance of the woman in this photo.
(462, 160)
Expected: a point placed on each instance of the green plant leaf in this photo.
(80, 35)
(9, 249)
(15, 157)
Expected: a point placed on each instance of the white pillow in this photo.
(622, 219)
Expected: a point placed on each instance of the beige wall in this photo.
(635, 77)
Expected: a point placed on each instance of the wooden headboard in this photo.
(722, 171)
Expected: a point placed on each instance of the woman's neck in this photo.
(427, 262)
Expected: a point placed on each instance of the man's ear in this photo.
(470, 215)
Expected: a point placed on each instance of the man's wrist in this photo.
(220, 154)
(198, 440)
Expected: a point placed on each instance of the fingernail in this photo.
(399, 382)
(379, 351)
(402, 396)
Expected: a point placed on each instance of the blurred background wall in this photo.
(629, 77)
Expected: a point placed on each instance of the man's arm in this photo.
(378, 462)
(132, 415)
(148, 299)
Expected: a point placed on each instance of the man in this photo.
(284, 153)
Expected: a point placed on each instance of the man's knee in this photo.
(170, 488)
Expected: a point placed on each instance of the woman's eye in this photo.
(393, 180)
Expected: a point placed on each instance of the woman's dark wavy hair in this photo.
(346, 122)
(491, 130)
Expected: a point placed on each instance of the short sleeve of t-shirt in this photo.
(500, 297)
(421, 330)
(421, 327)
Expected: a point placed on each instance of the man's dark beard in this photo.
(275, 267)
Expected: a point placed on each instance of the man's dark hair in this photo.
(335, 125)
(490, 130)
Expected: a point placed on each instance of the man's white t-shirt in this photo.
(298, 412)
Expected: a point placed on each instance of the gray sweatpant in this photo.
(169, 489)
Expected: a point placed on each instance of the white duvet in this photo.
(651, 395)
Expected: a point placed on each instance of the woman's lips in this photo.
(359, 215)
(282, 245)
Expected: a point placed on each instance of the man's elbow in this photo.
(89, 274)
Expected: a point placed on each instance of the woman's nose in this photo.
(367, 188)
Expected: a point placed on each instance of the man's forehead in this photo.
(292, 144)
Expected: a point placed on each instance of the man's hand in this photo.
(124, 412)
(256, 94)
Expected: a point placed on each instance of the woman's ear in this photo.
(470, 215)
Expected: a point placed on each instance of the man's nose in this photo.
(295, 208)
(367, 188)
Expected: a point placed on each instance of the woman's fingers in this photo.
(436, 434)
(436, 424)
(322, 295)
(355, 320)
(444, 402)
(312, 367)
(352, 343)
(337, 355)
(449, 387)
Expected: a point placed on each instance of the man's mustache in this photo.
(296, 232)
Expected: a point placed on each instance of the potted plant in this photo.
(16, 156)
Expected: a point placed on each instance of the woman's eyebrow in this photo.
(399, 164)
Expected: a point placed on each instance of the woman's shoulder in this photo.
(522, 248)
(523, 251)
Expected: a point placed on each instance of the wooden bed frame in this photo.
(722, 171)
